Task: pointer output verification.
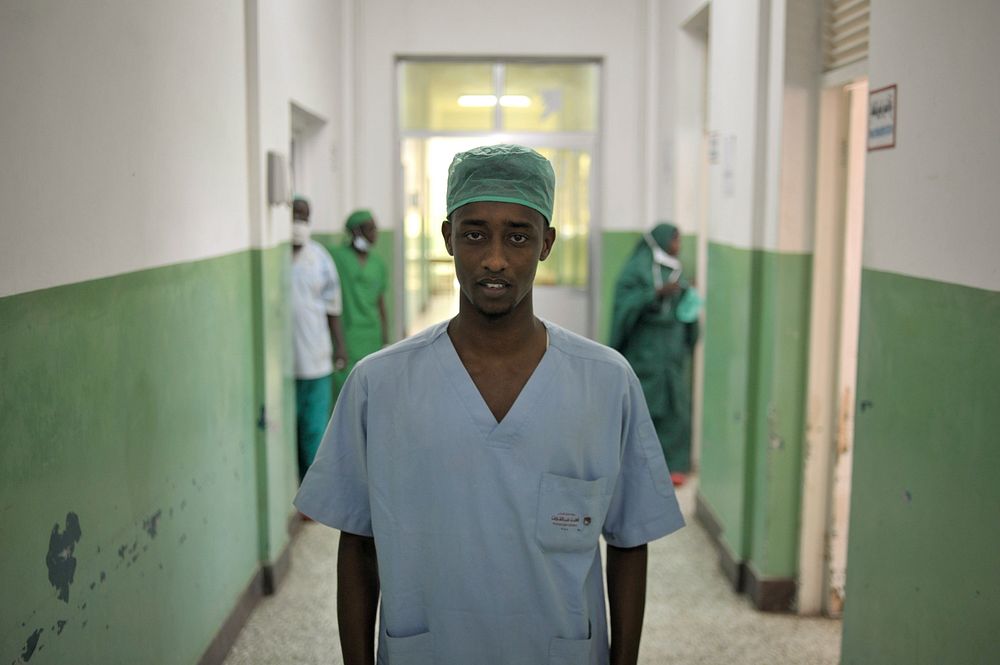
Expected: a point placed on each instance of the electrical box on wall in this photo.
(277, 179)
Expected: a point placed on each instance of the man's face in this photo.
(300, 211)
(369, 231)
(497, 247)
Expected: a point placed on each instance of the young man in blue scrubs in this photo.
(473, 467)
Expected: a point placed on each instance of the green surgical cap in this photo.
(505, 173)
(357, 218)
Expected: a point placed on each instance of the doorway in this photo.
(836, 300)
(307, 165)
(448, 106)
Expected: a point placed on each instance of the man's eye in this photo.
(519, 238)
(474, 235)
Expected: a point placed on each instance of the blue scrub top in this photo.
(487, 533)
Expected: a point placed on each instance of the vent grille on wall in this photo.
(846, 32)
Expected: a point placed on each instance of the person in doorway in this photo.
(317, 336)
(364, 277)
(654, 325)
(473, 467)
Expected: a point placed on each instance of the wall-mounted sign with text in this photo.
(882, 118)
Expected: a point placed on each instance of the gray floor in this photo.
(692, 616)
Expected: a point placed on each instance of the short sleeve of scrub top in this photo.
(335, 491)
(643, 506)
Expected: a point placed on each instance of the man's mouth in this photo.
(494, 284)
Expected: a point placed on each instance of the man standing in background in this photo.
(363, 279)
(317, 336)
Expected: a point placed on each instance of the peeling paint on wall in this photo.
(150, 523)
(30, 645)
(59, 559)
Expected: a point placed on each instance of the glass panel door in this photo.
(551, 107)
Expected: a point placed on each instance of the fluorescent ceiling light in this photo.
(481, 101)
(477, 100)
(516, 101)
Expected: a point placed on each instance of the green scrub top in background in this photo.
(658, 346)
(361, 285)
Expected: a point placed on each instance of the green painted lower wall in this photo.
(780, 312)
(128, 409)
(616, 248)
(274, 395)
(922, 583)
(385, 248)
(756, 355)
(724, 478)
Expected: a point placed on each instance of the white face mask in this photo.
(361, 243)
(300, 232)
(660, 256)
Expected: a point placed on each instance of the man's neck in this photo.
(500, 337)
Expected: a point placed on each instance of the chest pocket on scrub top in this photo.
(570, 513)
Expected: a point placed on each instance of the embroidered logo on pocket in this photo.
(570, 521)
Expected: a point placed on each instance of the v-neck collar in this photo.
(503, 433)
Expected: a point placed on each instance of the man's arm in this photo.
(340, 359)
(357, 598)
(626, 601)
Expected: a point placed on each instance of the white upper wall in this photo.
(763, 90)
(683, 100)
(299, 51)
(796, 64)
(123, 132)
(931, 202)
(614, 31)
(734, 85)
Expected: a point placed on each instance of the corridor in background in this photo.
(446, 107)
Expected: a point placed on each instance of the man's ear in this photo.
(446, 232)
(548, 239)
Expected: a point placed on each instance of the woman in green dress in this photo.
(655, 327)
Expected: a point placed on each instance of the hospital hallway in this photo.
(773, 223)
(692, 615)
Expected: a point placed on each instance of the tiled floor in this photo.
(692, 616)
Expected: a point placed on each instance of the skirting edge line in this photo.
(265, 581)
(768, 594)
(733, 568)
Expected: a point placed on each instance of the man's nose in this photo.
(495, 259)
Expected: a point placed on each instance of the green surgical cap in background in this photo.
(505, 173)
(357, 218)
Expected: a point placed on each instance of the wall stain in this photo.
(150, 524)
(62, 564)
(59, 559)
(30, 645)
